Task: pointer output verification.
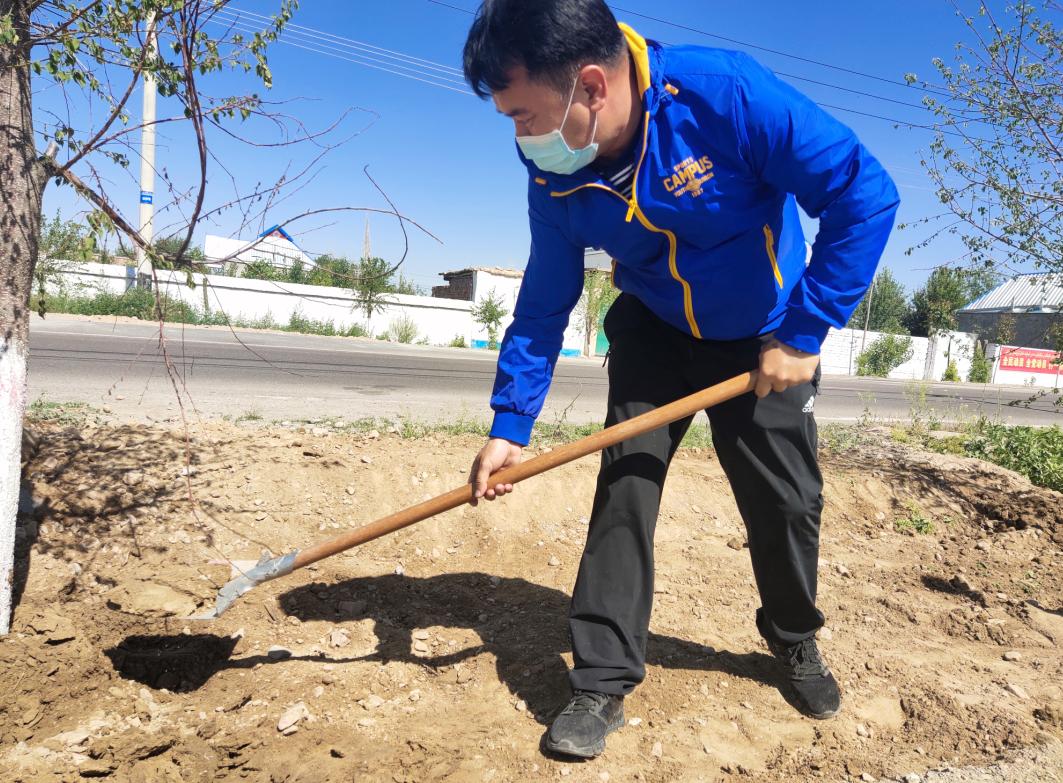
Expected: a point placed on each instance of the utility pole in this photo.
(147, 159)
(867, 314)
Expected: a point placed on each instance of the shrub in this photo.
(489, 314)
(402, 330)
(458, 342)
(884, 355)
(1035, 452)
(952, 373)
(981, 368)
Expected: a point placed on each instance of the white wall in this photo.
(440, 320)
(843, 346)
(244, 299)
(507, 287)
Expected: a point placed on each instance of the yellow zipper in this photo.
(633, 210)
(769, 243)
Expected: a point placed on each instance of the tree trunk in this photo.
(21, 186)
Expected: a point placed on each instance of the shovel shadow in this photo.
(521, 624)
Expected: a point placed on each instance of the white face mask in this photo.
(550, 151)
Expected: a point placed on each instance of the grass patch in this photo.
(1035, 452)
(141, 303)
(915, 522)
(545, 435)
(66, 413)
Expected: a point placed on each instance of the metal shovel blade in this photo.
(264, 570)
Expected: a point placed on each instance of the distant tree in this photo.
(172, 250)
(61, 245)
(889, 306)
(489, 313)
(408, 287)
(598, 294)
(372, 284)
(260, 270)
(934, 305)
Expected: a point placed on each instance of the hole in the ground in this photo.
(178, 663)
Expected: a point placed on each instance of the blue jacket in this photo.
(710, 240)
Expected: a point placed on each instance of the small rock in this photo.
(373, 435)
(319, 691)
(365, 722)
(350, 489)
(984, 545)
(1017, 690)
(861, 730)
(657, 751)
(290, 730)
(415, 695)
(912, 777)
(399, 570)
(339, 638)
(867, 778)
(367, 461)
(521, 706)
(420, 647)
(1012, 655)
(553, 561)
(604, 777)
(371, 702)
(422, 635)
(292, 715)
(278, 653)
(634, 721)
(737, 543)
(55, 628)
(319, 431)
(133, 477)
(842, 570)
(825, 633)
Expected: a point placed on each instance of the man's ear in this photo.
(594, 83)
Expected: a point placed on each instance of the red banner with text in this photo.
(1028, 360)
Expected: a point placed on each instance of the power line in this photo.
(779, 52)
(420, 76)
(410, 67)
(351, 42)
(402, 62)
(894, 120)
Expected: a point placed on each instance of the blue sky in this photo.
(448, 161)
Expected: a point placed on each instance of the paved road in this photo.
(118, 363)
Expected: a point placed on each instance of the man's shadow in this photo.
(522, 624)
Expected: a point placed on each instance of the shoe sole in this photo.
(824, 715)
(587, 751)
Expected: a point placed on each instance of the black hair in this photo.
(550, 38)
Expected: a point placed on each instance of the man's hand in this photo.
(782, 367)
(498, 453)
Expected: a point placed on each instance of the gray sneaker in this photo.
(581, 728)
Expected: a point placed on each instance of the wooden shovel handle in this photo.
(666, 414)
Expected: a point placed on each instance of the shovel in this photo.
(272, 567)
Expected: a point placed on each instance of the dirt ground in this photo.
(439, 653)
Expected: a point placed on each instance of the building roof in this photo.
(1022, 294)
(493, 270)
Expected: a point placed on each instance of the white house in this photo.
(274, 246)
